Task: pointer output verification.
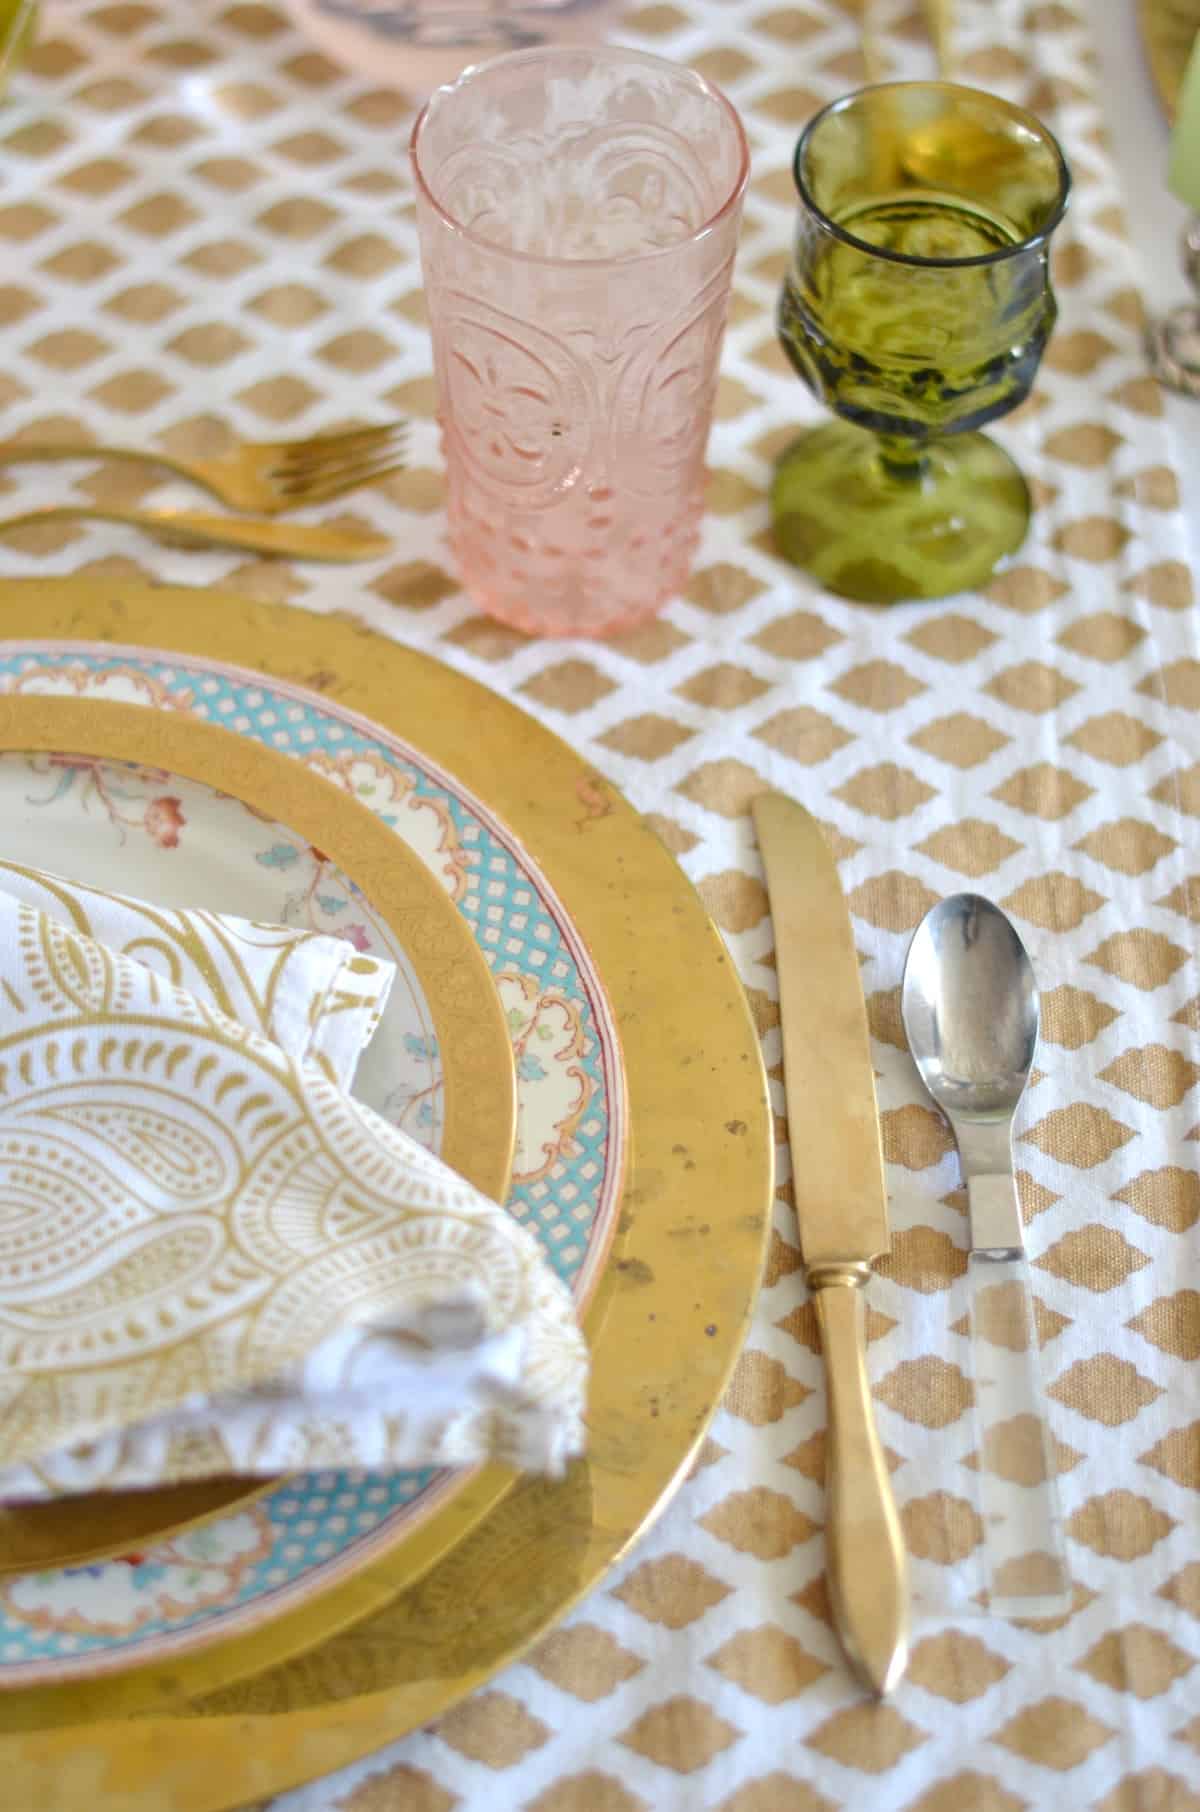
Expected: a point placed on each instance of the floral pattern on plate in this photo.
(549, 1044)
(120, 792)
(81, 796)
(426, 823)
(570, 1133)
(200, 1568)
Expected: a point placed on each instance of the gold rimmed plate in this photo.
(581, 890)
(215, 821)
(246, 1568)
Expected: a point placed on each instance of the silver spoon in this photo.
(970, 1006)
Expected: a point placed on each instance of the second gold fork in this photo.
(267, 477)
(190, 528)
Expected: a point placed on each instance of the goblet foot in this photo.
(872, 529)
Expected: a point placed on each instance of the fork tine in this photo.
(365, 431)
(298, 461)
(352, 479)
(345, 476)
(322, 448)
(298, 475)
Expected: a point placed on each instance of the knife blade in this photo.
(841, 1204)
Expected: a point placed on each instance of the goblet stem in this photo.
(903, 461)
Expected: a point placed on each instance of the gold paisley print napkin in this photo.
(214, 1260)
(313, 995)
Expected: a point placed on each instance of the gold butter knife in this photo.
(841, 1203)
(191, 528)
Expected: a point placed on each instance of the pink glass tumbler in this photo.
(578, 212)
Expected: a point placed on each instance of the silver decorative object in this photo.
(1173, 341)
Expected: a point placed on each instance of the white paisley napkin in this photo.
(315, 996)
(214, 1260)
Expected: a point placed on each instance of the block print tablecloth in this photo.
(202, 219)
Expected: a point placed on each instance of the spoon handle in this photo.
(1024, 1547)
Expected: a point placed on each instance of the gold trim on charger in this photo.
(468, 1020)
(230, 1724)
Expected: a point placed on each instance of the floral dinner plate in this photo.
(236, 1570)
(175, 841)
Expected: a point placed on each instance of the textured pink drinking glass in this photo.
(578, 212)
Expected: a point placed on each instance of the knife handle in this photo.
(1024, 1550)
(867, 1564)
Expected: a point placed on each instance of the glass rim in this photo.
(611, 53)
(1021, 114)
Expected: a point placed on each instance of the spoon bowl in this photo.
(971, 1010)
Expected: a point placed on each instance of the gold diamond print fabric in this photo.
(213, 1261)
(206, 227)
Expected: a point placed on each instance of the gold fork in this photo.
(265, 476)
(190, 528)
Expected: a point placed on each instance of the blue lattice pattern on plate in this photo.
(313, 1525)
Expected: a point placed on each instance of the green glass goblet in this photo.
(917, 306)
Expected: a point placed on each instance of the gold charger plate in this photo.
(476, 1052)
(1169, 29)
(234, 1723)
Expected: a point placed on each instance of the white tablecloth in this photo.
(226, 231)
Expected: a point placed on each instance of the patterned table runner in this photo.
(205, 219)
